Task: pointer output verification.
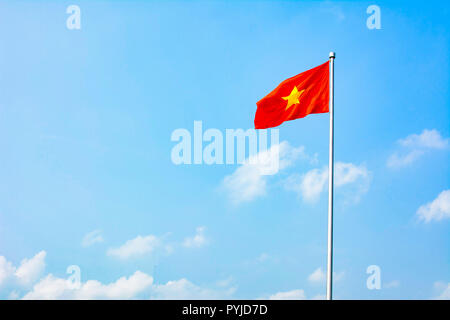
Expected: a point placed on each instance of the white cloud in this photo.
(351, 181)
(138, 285)
(346, 173)
(438, 209)
(318, 276)
(123, 288)
(297, 294)
(249, 181)
(310, 185)
(52, 287)
(245, 184)
(184, 289)
(396, 161)
(198, 240)
(444, 289)
(92, 238)
(30, 269)
(136, 247)
(6, 269)
(427, 139)
(415, 146)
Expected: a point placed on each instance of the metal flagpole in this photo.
(330, 185)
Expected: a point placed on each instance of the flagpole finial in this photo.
(332, 55)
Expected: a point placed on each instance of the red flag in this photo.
(296, 97)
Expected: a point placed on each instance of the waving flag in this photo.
(309, 92)
(296, 97)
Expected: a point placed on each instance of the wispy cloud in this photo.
(318, 276)
(414, 146)
(431, 139)
(311, 184)
(91, 238)
(136, 247)
(397, 161)
(249, 181)
(196, 241)
(437, 210)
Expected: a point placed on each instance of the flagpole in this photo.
(330, 184)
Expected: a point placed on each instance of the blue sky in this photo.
(86, 118)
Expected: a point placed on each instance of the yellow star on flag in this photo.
(293, 97)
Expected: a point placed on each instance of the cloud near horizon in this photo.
(138, 285)
(297, 294)
(28, 271)
(443, 289)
